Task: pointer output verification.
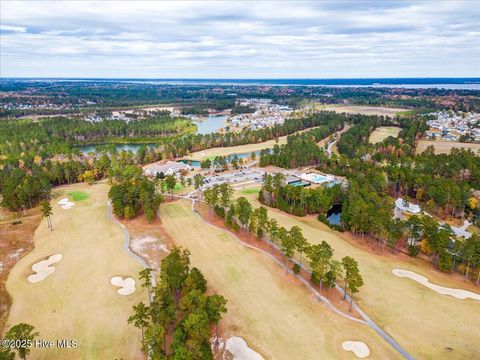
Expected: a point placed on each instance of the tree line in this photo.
(177, 322)
(298, 200)
(240, 215)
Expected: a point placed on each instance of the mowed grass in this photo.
(77, 301)
(272, 311)
(250, 191)
(175, 211)
(383, 132)
(78, 195)
(444, 147)
(240, 149)
(425, 323)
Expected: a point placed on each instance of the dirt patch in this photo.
(17, 241)
(149, 241)
(444, 147)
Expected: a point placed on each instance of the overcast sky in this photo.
(149, 39)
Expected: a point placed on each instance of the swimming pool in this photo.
(316, 178)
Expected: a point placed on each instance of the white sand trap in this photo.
(43, 268)
(65, 203)
(360, 349)
(457, 293)
(240, 350)
(127, 285)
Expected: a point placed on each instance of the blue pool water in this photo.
(319, 178)
(334, 214)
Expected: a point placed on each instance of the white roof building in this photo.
(406, 206)
(169, 168)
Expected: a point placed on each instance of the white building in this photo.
(169, 168)
(406, 206)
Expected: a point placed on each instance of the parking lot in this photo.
(240, 178)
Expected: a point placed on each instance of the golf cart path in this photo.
(126, 243)
(366, 319)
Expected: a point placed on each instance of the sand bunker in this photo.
(43, 268)
(240, 350)
(65, 203)
(127, 285)
(457, 293)
(360, 349)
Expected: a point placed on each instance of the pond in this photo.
(192, 163)
(207, 125)
(334, 214)
(211, 123)
(119, 147)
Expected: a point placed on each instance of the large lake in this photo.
(210, 123)
(206, 125)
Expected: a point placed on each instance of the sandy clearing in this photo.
(360, 349)
(127, 285)
(43, 268)
(444, 147)
(383, 132)
(240, 349)
(457, 293)
(139, 244)
(366, 110)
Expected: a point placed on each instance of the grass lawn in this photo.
(427, 324)
(78, 195)
(175, 211)
(383, 132)
(272, 311)
(77, 301)
(250, 191)
(240, 149)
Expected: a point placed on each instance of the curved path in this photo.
(366, 319)
(126, 243)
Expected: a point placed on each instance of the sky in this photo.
(194, 39)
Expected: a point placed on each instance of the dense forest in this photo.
(34, 158)
(442, 184)
(298, 200)
(177, 322)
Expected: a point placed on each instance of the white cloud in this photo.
(12, 28)
(239, 39)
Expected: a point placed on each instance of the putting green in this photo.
(250, 191)
(78, 195)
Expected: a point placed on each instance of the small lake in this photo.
(119, 147)
(334, 214)
(211, 123)
(207, 125)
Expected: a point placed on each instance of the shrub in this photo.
(296, 269)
